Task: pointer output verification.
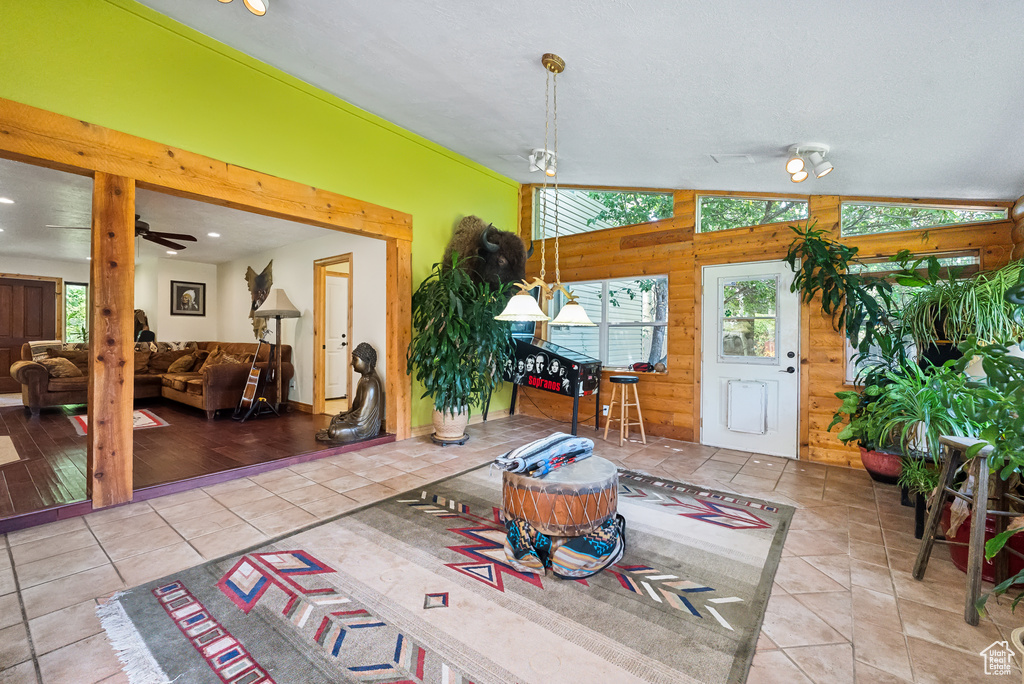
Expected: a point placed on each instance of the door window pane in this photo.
(751, 337)
(750, 297)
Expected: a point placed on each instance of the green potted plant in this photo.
(919, 477)
(457, 345)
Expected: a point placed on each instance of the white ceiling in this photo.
(920, 98)
(45, 197)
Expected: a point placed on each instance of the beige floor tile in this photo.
(346, 483)
(143, 542)
(14, 647)
(834, 608)
(83, 662)
(816, 519)
(373, 492)
(869, 576)
(172, 500)
(67, 591)
(261, 507)
(307, 494)
(10, 610)
(765, 471)
(228, 540)
(286, 482)
(119, 678)
(919, 621)
(938, 595)
(271, 476)
(52, 546)
(62, 627)
(23, 673)
(146, 567)
(797, 576)
(806, 469)
(837, 567)
(330, 507)
(406, 482)
(730, 456)
(7, 583)
(320, 472)
(882, 649)
(48, 569)
(764, 643)
(118, 512)
(933, 664)
(787, 622)
(287, 520)
(43, 531)
(126, 528)
(242, 495)
(867, 552)
(815, 543)
(831, 664)
(866, 674)
(195, 527)
(773, 667)
(228, 486)
(875, 608)
(192, 509)
(747, 482)
(381, 473)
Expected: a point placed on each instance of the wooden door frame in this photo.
(124, 162)
(58, 305)
(320, 275)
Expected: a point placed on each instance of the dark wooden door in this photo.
(27, 312)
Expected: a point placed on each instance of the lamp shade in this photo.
(522, 307)
(573, 314)
(277, 304)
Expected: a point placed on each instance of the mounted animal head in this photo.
(259, 288)
(486, 253)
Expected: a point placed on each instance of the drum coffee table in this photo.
(570, 501)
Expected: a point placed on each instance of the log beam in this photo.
(112, 362)
(398, 398)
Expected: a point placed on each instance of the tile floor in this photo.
(844, 607)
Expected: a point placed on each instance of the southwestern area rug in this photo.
(416, 589)
(141, 420)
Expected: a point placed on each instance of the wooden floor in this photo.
(51, 471)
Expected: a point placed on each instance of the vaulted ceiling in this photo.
(920, 98)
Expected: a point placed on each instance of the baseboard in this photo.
(299, 406)
(476, 419)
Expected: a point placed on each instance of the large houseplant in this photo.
(457, 344)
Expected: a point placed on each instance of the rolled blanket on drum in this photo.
(540, 457)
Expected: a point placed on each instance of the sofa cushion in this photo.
(219, 358)
(79, 357)
(194, 386)
(148, 380)
(142, 361)
(79, 383)
(39, 347)
(179, 381)
(159, 362)
(61, 368)
(183, 364)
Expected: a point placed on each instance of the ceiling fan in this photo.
(142, 230)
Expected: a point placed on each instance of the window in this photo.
(748, 324)
(868, 218)
(76, 326)
(631, 316)
(715, 212)
(583, 211)
(960, 265)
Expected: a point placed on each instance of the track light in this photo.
(821, 167)
(257, 7)
(807, 157)
(543, 160)
(799, 177)
(795, 164)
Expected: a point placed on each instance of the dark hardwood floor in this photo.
(51, 471)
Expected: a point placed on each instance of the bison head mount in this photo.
(489, 255)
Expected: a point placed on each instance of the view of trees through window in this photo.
(722, 213)
(584, 211)
(748, 318)
(866, 219)
(76, 296)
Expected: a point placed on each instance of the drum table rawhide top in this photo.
(568, 502)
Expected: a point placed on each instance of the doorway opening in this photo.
(750, 359)
(332, 335)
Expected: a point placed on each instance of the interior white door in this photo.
(336, 352)
(750, 359)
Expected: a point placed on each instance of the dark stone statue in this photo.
(364, 416)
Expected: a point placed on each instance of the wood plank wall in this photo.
(1017, 214)
(670, 400)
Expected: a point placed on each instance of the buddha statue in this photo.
(364, 416)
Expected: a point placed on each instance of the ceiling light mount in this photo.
(806, 158)
(544, 160)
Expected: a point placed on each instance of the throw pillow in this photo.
(182, 365)
(60, 368)
(78, 357)
(219, 358)
(142, 361)
(159, 362)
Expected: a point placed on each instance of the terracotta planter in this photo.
(958, 554)
(882, 467)
(450, 427)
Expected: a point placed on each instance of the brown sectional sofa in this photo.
(217, 387)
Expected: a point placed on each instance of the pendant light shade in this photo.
(573, 314)
(522, 307)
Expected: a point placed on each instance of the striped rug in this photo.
(141, 419)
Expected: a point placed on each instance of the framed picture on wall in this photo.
(188, 299)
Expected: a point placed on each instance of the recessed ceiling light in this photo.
(214, 234)
(171, 252)
(1, 230)
(6, 200)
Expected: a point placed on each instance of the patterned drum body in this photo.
(568, 502)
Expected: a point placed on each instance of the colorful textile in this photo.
(528, 550)
(540, 457)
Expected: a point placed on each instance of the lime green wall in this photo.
(121, 65)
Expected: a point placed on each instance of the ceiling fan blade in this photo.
(174, 236)
(71, 227)
(161, 241)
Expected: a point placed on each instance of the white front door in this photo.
(750, 358)
(336, 346)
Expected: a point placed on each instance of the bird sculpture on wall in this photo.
(259, 288)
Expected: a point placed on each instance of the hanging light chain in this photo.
(554, 161)
(544, 189)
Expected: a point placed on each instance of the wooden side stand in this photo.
(624, 381)
(955, 448)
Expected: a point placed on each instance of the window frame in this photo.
(750, 360)
(920, 205)
(604, 325)
(746, 198)
(536, 207)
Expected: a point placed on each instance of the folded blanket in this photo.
(540, 457)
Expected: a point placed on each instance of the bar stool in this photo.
(955, 448)
(624, 404)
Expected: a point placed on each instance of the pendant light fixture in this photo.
(522, 306)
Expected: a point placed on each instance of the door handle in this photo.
(788, 370)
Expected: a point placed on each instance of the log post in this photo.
(112, 361)
(1017, 232)
(398, 392)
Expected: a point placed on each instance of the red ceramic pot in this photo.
(958, 554)
(882, 467)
